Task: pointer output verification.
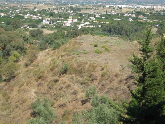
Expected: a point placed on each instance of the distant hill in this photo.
(146, 1)
(105, 1)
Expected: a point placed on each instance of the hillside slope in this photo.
(63, 75)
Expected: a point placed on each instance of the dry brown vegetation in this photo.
(37, 6)
(46, 77)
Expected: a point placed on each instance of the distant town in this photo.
(47, 15)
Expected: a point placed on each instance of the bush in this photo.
(42, 112)
(98, 51)
(1, 60)
(90, 92)
(96, 45)
(64, 69)
(102, 114)
(37, 121)
(106, 48)
(104, 111)
(32, 53)
(36, 33)
(14, 57)
(9, 70)
(10, 42)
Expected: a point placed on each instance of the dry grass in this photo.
(42, 79)
(37, 6)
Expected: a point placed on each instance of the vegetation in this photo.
(11, 48)
(64, 69)
(36, 64)
(9, 70)
(42, 112)
(103, 111)
(90, 92)
(36, 33)
(131, 30)
(96, 45)
(11, 41)
(98, 51)
(147, 104)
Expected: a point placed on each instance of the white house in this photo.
(46, 21)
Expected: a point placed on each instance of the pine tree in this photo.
(148, 99)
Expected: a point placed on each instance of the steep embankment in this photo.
(63, 76)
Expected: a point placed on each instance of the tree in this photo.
(9, 70)
(36, 33)
(11, 41)
(16, 23)
(14, 57)
(161, 29)
(148, 100)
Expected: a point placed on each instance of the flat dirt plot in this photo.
(45, 31)
(115, 52)
(37, 6)
(126, 10)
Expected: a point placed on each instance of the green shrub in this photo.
(95, 45)
(98, 51)
(63, 122)
(42, 112)
(90, 92)
(85, 52)
(98, 100)
(64, 69)
(104, 111)
(1, 60)
(14, 57)
(36, 33)
(103, 46)
(32, 53)
(102, 114)
(10, 42)
(5, 96)
(37, 121)
(1, 79)
(78, 118)
(107, 49)
(104, 73)
(9, 70)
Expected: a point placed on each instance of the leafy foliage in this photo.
(102, 114)
(161, 29)
(16, 23)
(31, 55)
(90, 92)
(11, 41)
(42, 112)
(9, 70)
(64, 69)
(98, 51)
(14, 57)
(129, 29)
(148, 100)
(36, 33)
(104, 111)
